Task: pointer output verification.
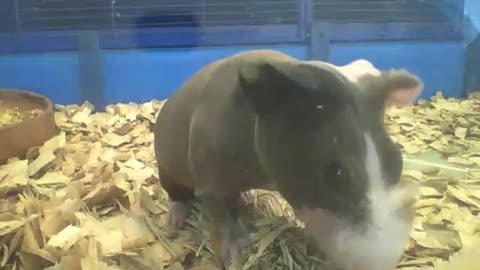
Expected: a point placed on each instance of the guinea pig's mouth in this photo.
(367, 245)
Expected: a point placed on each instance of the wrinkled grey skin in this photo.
(264, 120)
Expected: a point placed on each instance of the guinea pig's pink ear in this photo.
(401, 87)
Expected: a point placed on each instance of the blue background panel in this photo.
(52, 74)
(140, 75)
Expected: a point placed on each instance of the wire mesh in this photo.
(102, 14)
(372, 11)
(182, 22)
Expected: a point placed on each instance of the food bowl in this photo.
(26, 120)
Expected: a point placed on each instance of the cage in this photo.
(134, 51)
(112, 31)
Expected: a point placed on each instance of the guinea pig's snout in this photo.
(375, 243)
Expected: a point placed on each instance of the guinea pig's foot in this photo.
(231, 257)
(243, 237)
(229, 248)
(232, 249)
(245, 242)
(178, 214)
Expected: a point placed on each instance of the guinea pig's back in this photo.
(214, 88)
(172, 125)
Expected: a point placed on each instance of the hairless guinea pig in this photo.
(310, 130)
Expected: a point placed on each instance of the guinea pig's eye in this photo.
(337, 176)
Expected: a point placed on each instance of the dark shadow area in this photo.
(159, 19)
(7, 16)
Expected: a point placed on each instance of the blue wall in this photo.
(141, 75)
(52, 74)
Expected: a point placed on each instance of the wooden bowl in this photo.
(17, 138)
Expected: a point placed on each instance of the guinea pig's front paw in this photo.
(229, 253)
(242, 235)
(177, 215)
(244, 242)
(231, 257)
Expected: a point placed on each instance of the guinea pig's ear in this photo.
(403, 88)
(394, 88)
(271, 85)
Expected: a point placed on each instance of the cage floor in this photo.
(92, 196)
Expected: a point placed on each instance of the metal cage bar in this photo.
(388, 20)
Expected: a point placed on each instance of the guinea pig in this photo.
(264, 120)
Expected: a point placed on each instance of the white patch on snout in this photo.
(378, 244)
(385, 237)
